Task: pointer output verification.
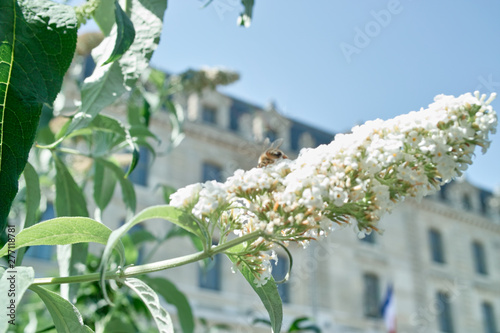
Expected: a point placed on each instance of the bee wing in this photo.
(277, 143)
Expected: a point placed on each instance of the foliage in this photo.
(38, 45)
(250, 214)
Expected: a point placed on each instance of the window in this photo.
(466, 202)
(479, 258)
(140, 174)
(43, 252)
(490, 325)
(445, 321)
(88, 67)
(211, 172)
(442, 193)
(369, 238)
(280, 270)
(209, 275)
(436, 246)
(209, 115)
(371, 295)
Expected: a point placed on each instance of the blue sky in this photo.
(400, 54)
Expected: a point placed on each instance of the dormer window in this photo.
(209, 114)
(466, 202)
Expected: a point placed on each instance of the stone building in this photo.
(441, 255)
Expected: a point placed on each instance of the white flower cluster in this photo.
(357, 177)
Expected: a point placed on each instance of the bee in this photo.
(272, 154)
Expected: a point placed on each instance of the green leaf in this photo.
(176, 117)
(70, 200)
(131, 252)
(151, 300)
(141, 131)
(120, 325)
(267, 293)
(133, 164)
(38, 41)
(102, 17)
(127, 187)
(60, 231)
(22, 277)
(125, 34)
(298, 325)
(104, 185)
(65, 315)
(147, 17)
(32, 195)
(99, 90)
(175, 297)
(32, 202)
(113, 133)
(102, 123)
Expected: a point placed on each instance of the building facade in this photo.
(441, 255)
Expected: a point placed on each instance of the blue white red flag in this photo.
(389, 310)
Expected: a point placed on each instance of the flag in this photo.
(389, 310)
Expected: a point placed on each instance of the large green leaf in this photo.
(147, 17)
(70, 200)
(60, 231)
(268, 294)
(22, 277)
(110, 81)
(175, 297)
(152, 302)
(37, 44)
(65, 315)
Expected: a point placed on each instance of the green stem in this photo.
(152, 267)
